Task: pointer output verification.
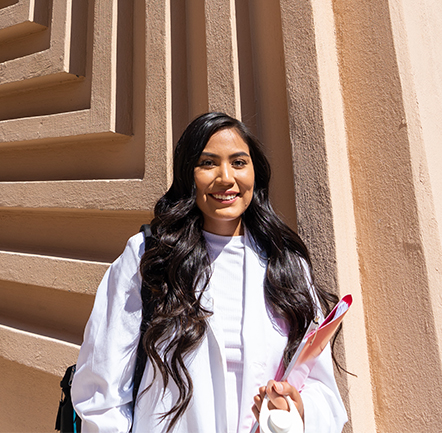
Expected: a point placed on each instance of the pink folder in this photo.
(313, 344)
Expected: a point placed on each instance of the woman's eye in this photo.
(206, 163)
(239, 163)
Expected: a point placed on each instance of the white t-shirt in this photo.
(227, 283)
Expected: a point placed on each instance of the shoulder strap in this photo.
(140, 363)
(145, 228)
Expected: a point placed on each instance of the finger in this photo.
(258, 401)
(293, 393)
(255, 412)
(262, 391)
(276, 391)
(282, 388)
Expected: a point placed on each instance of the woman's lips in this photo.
(224, 197)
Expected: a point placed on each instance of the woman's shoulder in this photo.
(136, 241)
(133, 250)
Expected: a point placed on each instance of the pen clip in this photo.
(316, 322)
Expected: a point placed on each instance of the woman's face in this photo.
(224, 179)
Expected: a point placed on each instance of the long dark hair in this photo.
(176, 267)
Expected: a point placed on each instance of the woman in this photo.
(226, 296)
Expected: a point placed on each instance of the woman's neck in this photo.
(224, 228)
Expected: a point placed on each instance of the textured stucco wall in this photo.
(397, 225)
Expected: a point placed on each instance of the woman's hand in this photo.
(276, 392)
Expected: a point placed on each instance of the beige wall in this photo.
(346, 96)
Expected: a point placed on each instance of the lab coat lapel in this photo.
(215, 325)
(217, 358)
(254, 331)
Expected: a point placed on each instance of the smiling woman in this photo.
(224, 179)
(221, 297)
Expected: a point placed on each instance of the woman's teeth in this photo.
(224, 197)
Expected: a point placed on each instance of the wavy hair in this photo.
(176, 267)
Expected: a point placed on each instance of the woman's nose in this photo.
(226, 175)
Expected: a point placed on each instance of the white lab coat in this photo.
(102, 392)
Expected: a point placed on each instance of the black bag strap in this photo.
(67, 419)
(145, 228)
(141, 360)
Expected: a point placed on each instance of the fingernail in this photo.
(278, 387)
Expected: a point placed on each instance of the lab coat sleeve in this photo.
(324, 411)
(102, 386)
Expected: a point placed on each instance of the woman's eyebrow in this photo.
(210, 155)
(238, 154)
(234, 155)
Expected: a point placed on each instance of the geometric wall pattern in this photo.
(93, 94)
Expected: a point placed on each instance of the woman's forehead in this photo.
(226, 140)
